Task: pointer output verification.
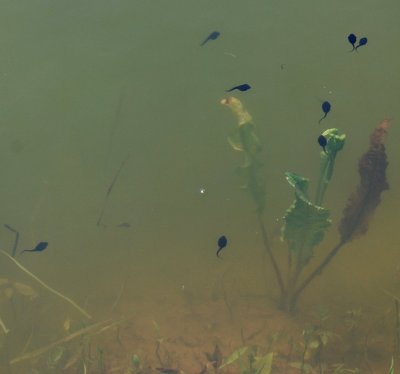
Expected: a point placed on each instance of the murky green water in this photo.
(88, 86)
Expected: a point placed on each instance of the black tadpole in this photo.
(363, 41)
(241, 87)
(222, 243)
(38, 248)
(352, 40)
(326, 107)
(322, 141)
(213, 36)
(110, 188)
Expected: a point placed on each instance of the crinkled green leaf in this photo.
(304, 222)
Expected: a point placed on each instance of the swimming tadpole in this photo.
(322, 141)
(326, 107)
(363, 41)
(214, 35)
(352, 40)
(241, 87)
(221, 243)
(39, 247)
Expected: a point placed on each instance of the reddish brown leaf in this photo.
(363, 202)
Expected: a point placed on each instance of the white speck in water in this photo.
(202, 191)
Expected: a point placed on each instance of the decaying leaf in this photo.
(25, 290)
(363, 202)
(67, 324)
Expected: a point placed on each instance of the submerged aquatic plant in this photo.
(251, 363)
(306, 221)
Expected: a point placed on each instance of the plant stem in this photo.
(325, 176)
(87, 315)
(316, 272)
(267, 246)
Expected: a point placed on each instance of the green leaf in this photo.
(304, 223)
(234, 356)
(391, 369)
(245, 141)
(263, 365)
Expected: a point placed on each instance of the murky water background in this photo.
(86, 84)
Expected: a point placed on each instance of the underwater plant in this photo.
(251, 363)
(306, 221)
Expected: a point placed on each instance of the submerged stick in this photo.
(4, 327)
(75, 305)
(110, 188)
(14, 250)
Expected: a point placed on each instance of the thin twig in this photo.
(110, 188)
(4, 327)
(14, 250)
(118, 298)
(87, 315)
